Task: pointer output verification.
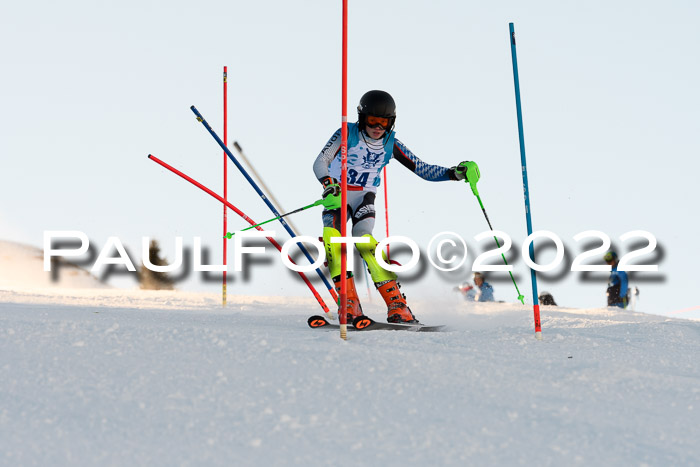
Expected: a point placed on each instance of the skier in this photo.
(371, 145)
(617, 283)
(481, 291)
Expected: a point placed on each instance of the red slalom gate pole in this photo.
(386, 212)
(250, 221)
(223, 284)
(342, 314)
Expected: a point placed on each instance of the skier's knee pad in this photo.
(367, 250)
(332, 250)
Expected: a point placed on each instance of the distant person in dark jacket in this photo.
(617, 283)
(481, 291)
(546, 299)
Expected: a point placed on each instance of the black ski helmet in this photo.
(378, 104)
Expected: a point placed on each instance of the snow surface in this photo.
(102, 376)
(114, 377)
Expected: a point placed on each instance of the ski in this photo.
(318, 322)
(364, 323)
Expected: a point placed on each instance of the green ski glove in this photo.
(468, 171)
(331, 196)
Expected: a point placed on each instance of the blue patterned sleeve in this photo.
(432, 173)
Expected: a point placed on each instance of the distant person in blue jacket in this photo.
(617, 283)
(481, 291)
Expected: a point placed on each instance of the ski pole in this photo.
(521, 297)
(245, 217)
(261, 194)
(260, 180)
(315, 203)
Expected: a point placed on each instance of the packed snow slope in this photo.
(114, 377)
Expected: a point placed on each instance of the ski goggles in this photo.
(374, 122)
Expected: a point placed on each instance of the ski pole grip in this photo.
(473, 187)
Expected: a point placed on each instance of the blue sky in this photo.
(609, 95)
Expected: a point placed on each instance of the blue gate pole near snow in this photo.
(526, 190)
(262, 195)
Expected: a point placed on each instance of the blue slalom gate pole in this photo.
(526, 190)
(262, 195)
